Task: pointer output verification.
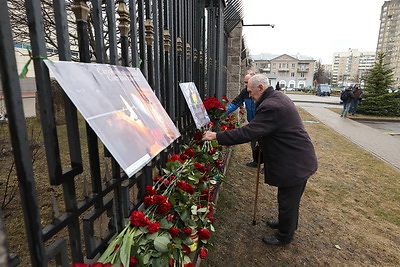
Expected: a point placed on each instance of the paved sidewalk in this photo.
(381, 145)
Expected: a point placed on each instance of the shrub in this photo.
(387, 105)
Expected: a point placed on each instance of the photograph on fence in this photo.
(121, 107)
(195, 104)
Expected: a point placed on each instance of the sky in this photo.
(313, 28)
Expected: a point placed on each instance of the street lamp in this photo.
(261, 25)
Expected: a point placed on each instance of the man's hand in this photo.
(208, 136)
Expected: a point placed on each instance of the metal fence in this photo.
(171, 41)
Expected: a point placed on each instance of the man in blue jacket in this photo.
(243, 97)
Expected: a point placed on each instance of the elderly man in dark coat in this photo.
(288, 152)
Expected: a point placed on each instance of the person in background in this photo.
(243, 97)
(288, 153)
(277, 87)
(346, 97)
(357, 96)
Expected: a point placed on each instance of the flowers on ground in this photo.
(176, 217)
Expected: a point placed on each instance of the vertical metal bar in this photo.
(98, 30)
(142, 41)
(72, 131)
(171, 66)
(112, 31)
(19, 140)
(161, 52)
(36, 34)
(64, 53)
(221, 48)
(81, 9)
(157, 53)
(202, 54)
(134, 33)
(124, 31)
(149, 43)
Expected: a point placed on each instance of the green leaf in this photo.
(125, 250)
(171, 200)
(146, 259)
(177, 240)
(338, 247)
(161, 261)
(184, 216)
(138, 232)
(186, 260)
(202, 210)
(165, 224)
(188, 241)
(194, 210)
(152, 236)
(161, 243)
(212, 228)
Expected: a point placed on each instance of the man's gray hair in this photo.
(259, 79)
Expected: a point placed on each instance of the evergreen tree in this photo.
(380, 77)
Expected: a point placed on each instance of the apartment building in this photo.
(389, 36)
(290, 71)
(349, 67)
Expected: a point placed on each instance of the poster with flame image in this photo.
(120, 106)
(196, 106)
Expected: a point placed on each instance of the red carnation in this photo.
(175, 157)
(171, 263)
(188, 265)
(132, 261)
(153, 227)
(203, 233)
(97, 264)
(148, 201)
(173, 231)
(79, 264)
(163, 208)
(197, 136)
(203, 253)
(187, 231)
(159, 199)
(190, 152)
(136, 217)
(183, 156)
(150, 190)
(185, 249)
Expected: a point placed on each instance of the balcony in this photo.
(303, 70)
(283, 69)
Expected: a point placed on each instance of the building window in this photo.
(293, 65)
(292, 74)
(302, 74)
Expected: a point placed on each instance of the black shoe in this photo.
(273, 224)
(262, 171)
(251, 164)
(272, 240)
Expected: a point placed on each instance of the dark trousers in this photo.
(255, 150)
(289, 201)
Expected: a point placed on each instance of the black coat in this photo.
(289, 155)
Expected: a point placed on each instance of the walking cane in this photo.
(257, 182)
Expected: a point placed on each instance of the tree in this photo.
(320, 74)
(19, 24)
(380, 77)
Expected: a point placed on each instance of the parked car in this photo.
(323, 90)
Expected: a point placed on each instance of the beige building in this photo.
(389, 36)
(290, 71)
(349, 67)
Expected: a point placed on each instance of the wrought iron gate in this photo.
(171, 41)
